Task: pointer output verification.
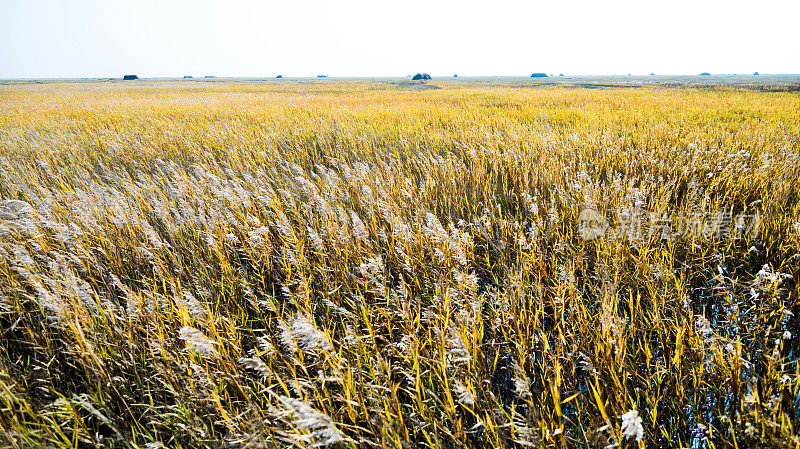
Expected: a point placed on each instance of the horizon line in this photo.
(324, 75)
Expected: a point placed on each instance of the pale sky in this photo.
(83, 38)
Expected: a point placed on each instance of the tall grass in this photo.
(350, 265)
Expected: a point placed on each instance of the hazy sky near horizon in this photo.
(93, 38)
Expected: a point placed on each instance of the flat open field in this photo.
(375, 264)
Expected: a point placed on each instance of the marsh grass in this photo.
(348, 265)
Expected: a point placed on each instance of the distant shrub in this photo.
(130, 77)
(705, 74)
(421, 76)
(538, 75)
(755, 73)
(279, 77)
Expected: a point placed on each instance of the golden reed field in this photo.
(374, 265)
